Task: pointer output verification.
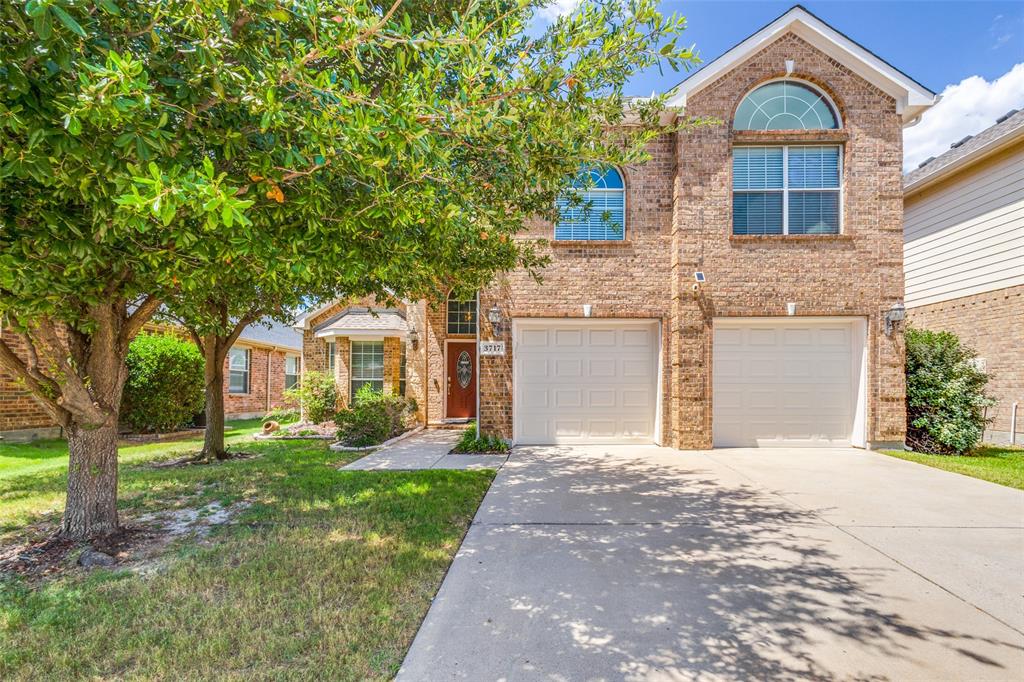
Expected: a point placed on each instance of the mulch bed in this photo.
(48, 557)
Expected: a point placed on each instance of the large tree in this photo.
(147, 148)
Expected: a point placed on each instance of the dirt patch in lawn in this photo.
(139, 545)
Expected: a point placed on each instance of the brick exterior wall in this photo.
(315, 354)
(19, 411)
(21, 416)
(858, 273)
(991, 323)
(679, 220)
(255, 403)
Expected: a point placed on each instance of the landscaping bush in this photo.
(469, 443)
(946, 398)
(374, 418)
(282, 415)
(164, 389)
(317, 394)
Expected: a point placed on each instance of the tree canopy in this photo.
(164, 150)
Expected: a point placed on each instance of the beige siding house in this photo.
(963, 235)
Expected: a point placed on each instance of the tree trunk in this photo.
(213, 442)
(91, 508)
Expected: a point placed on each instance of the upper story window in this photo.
(461, 315)
(595, 210)
(786, 105)
(786, 190)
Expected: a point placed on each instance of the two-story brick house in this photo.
(743, 287)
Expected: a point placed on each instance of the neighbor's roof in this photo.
(276, 335)
(912, 98)
(363, 321)
(1006, 131)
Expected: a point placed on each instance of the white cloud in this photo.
(967, 108)
(557, 8)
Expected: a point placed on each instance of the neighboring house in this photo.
(260, 366)
(730, 291)
(963, 245)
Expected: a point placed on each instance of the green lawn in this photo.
(326, 574)
(1003, 465)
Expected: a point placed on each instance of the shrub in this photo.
(164, 389)
(945, 394)
(374, 418)
(469, 443)
(317, 394)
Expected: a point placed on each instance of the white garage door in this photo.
(585, 381)
(788, 383)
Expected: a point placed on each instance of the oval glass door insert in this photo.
(464, 369)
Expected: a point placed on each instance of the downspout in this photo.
(1013, 423)
(270, 355)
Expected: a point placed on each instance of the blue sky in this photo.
(971, 52)
(936, 43)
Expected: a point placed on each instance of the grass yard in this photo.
(1003, 465)
(319, 573)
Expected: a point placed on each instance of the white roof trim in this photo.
(912, 98)
(361, 334)
(302, 321)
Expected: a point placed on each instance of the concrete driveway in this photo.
(655, 564)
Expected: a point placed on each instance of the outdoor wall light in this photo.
(414, 336)
(494, 317)
(894, 316)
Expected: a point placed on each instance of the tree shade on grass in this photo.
(326, 575)
(1002, 465)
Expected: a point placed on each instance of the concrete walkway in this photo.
(645, 563)
(425, 450)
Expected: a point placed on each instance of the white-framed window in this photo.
(367, 366)
(790, 189)
(332, 352)
(786, 104)
(239, 362)
(461, 315)
(595, 210)
(291, 371)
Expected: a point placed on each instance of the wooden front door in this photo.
(461, 380)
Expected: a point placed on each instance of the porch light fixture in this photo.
(494, 317)
(894, 316)
(414, 337)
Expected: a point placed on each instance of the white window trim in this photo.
(248, 371)
(352, 365)
(807, 84)
(603, 190)
(785, 187)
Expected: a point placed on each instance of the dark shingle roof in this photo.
(276, 335)
(1010, 124)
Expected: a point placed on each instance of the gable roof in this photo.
(364, 321)
(912, 98)
(1006, 131)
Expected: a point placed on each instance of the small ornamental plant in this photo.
(374, 417)
(469, 443)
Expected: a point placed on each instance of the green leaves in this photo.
(68, 21)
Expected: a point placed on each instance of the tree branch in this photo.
(142, 314)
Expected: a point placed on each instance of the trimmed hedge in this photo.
(164, 389)
(946, 398)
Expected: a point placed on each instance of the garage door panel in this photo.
(783, 383)
(600, 382)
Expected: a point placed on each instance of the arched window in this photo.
(461, 315)
(595, 210)
(785, 105)
(789, 188)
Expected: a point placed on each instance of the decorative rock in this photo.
(90, 558)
